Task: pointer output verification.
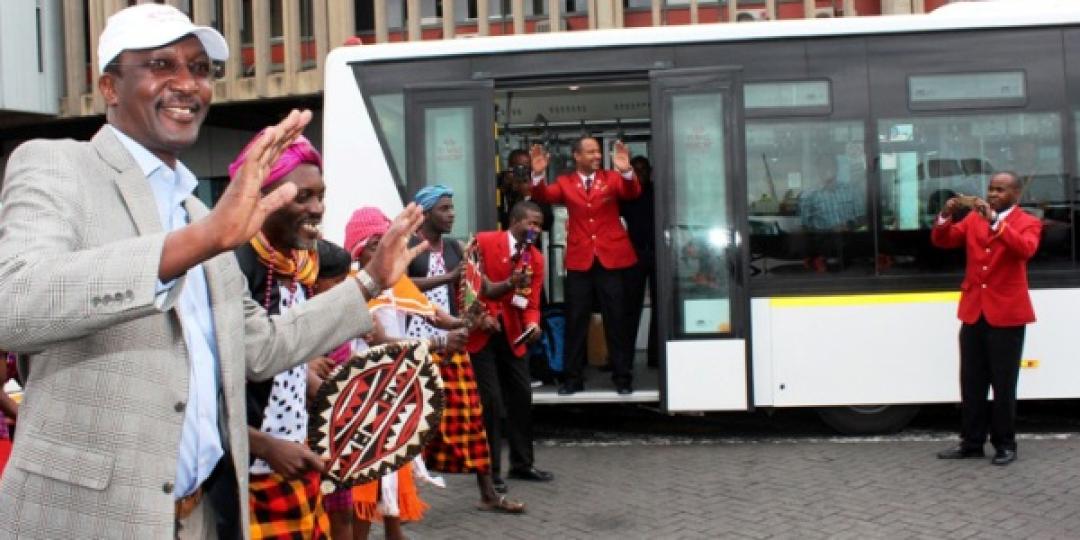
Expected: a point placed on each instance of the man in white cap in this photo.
(134, 323)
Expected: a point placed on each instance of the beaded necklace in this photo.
(270, 273)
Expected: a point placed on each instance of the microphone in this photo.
(530, 238)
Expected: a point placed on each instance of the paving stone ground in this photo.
(799, 489)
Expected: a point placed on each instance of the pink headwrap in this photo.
(364, 223)
(299, 152)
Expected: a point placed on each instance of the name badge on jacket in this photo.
(519, 301)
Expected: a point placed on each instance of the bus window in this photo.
(389, 111)
(450, 146)
(704, 230)
(806, 185)
(925, 161)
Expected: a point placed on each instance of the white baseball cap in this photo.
(148, 26)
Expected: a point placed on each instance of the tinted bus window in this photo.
(795, 97)
(925, 161)
(806, 184)
(960, 89)
(389, 110)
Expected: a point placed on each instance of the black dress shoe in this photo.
(500, 485)
(1003, 456)
(624, 390)
(961, 452)
(532, 474)
(569, 389)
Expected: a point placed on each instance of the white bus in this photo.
(798, 167)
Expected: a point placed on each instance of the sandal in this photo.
(503, 505)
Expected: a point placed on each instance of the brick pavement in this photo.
(790, 488)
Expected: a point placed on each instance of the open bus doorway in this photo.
(555, 116)
(690, 125)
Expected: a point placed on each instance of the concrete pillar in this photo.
(604, 16)
(483, 24)
(412, 19)
(74, 56)
(260, 15)
(290, 30)
(517, 11)
(449, 25)
(322, 35)
(382, 30)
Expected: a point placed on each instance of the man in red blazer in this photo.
(994, 307)
(598, 249)
(510, 261)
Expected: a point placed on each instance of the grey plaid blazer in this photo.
(107, 373)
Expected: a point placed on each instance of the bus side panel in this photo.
(877, 349)
(355, 170)
(850, 350)
(706, 375)
(762, 352)
(1050, 367)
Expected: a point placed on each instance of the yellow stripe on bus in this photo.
(866, 299)
(1029, 363)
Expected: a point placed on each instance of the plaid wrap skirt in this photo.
(284, 509)
(461, 444)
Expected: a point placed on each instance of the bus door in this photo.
(702, 253)
(450, 140)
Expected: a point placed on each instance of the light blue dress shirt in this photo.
(200, 441)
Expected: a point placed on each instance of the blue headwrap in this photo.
(428, 197)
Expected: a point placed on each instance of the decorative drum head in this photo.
(375, 413)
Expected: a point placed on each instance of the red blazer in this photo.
(995, 282)
(593, 228)
(494, 250)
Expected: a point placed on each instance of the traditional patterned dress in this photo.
(279, 508)
(461, 444)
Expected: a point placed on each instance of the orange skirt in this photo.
(410, 506)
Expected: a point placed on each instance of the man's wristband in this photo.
(367, 284)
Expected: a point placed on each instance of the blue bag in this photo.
(554, 337)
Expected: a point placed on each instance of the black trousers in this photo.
(503, 382)
(989, 358)
(606, 286)
(636, 278)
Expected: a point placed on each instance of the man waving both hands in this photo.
(598, 250)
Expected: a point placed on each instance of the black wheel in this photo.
(868, 419)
